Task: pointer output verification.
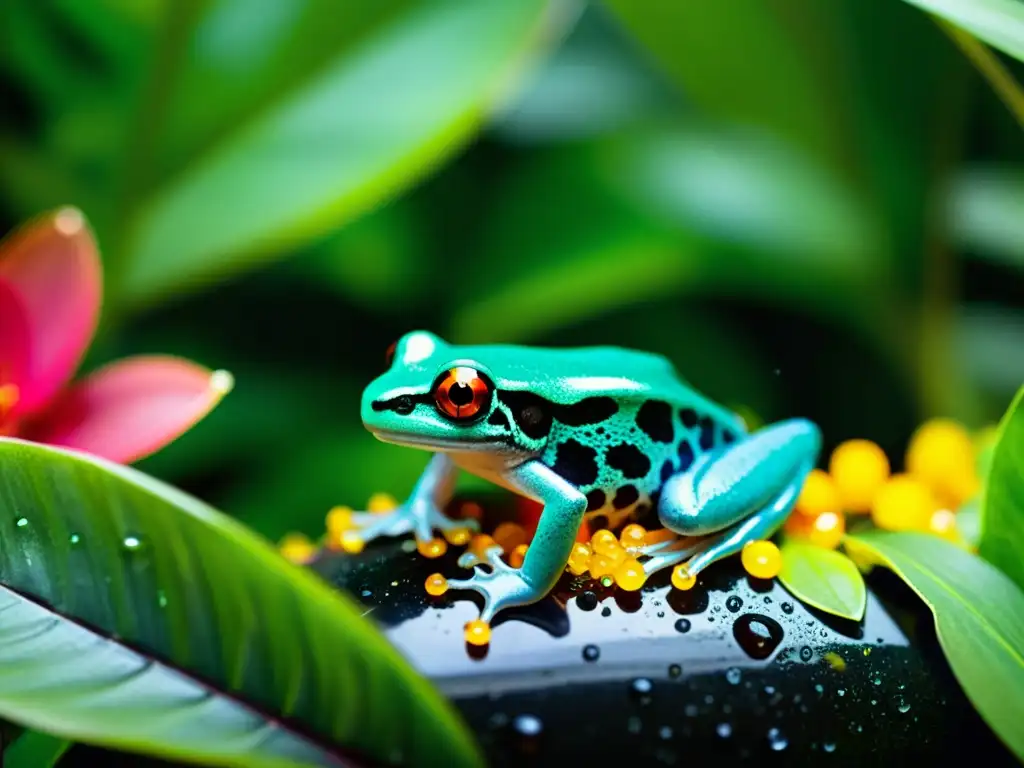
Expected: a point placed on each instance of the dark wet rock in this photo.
(757, 676)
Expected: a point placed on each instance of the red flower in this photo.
(50, 293)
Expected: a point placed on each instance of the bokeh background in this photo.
(813, 208)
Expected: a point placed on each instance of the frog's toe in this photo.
(502, 587)
(491, 556)
(373, 525)
(433, 519)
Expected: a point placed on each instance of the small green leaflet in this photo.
(824, 579)
(1002, 505)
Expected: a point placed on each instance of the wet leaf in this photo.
(1002, 505)
(979, 619)
(161, 626)
(824, 579)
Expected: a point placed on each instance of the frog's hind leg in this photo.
(735, 494)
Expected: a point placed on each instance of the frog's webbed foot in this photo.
(501, 585)
(421, 514)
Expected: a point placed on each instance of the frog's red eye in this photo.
(462, 393)
(389, 355)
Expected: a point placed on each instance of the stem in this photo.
(991, 68)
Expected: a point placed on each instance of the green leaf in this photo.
(368, 122)
(1000, 23)
(161, 626)
(1002, 506)
(664, 213)
(34, 749)
(984, 213)
(979, 619)
(824, 579)
(772, 65)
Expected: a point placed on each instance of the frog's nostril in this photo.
(402, 404)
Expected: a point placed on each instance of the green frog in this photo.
(585, 432)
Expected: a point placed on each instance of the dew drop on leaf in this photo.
(74, 538)
(733, 675)
(21, 522)
(132, 542)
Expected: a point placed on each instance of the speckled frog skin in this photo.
(591, 431)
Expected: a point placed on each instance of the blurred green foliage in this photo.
(811, 208)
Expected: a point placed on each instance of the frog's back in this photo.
(566, 375)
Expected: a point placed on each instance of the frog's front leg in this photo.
(421, 512)
(504, 586)
(736, 494)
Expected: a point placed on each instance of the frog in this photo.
(586, 432)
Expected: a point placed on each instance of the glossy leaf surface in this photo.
(160, 625)
(824, 579)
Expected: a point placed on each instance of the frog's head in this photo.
(432, 396)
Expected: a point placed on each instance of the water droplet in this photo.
(776, 740)
(21, 522)
(769, 689)
(724, 730)
(734, 603)
(806, 653)
(634, 724)
(828, 746)
(903, 707)
(665, 732)
(877, 681)
(591, 653)
(841, 691)
(606, 611)
(674, 670)
(757, 635)
(132, 542)
(587, 601)
(819, 688)
(874, 702)
(690, 710)
(683, 625)
(767, 600)
(641, 689)
(787, 607)
(527, 725)
(661, 614)
(161, 599)
(733, 675)
(74, 538)
(366, 593)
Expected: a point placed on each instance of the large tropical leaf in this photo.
(1002, 506)
(356, 128)
(1000, 23)
(979, 619)
(137, 617)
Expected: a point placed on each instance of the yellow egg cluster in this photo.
(940, 474)
(611, 559)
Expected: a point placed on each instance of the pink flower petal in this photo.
(52, 265)
(14, 338)
(130, 408)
